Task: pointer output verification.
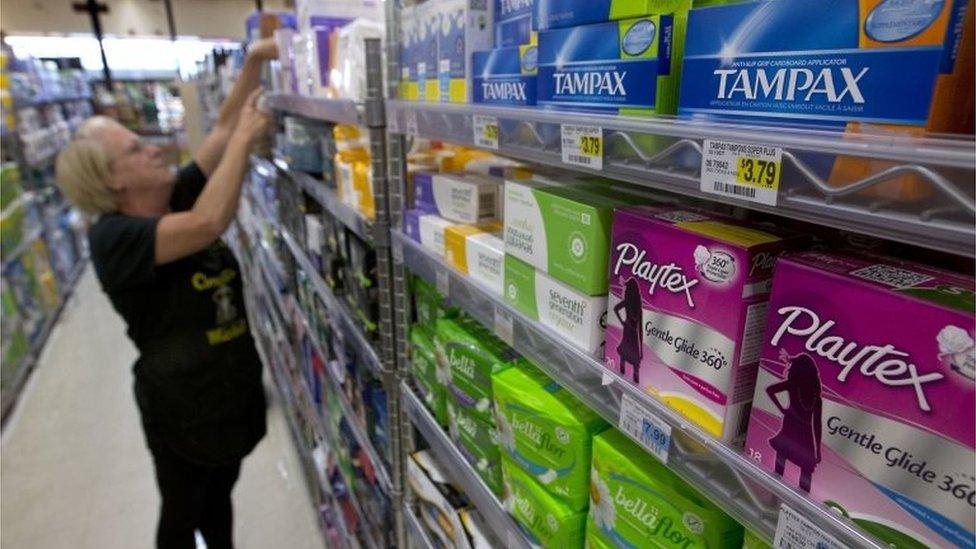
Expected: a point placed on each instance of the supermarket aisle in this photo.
(75, 470)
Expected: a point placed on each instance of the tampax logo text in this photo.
(590, 83)
(834, 84)
(669, 277)
(885, 363)
(503, 91)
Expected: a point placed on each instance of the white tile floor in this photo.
(75, 472)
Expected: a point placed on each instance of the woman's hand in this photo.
(265, 49)
(253, 122)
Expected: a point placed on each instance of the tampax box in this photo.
(409, 42)
(860, 66)
(465, 28)
(578, 317)
(865, 395)
(557, 14)
(478, 252)
(687, 309)
(513, 23)
(463, 198)
(428, 21)
(620, 67)
(506, 76)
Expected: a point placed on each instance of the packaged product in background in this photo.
(428, 304)
(12, 225)
(636, 501)
(303, 146)
(479, 534)
(423, 366)
(362, 291)
(865, 393)
(347, 66)
(628, 67)
(871, 67)
(469, 354)
(10, 188)
(311, 12)
(545, 520)
(751, 540)
(687, 309)
(408, 53)
(546, 431)
(557, 14)
(323, 52)
(513, 23)
(506, 76)
(353, 170)
(462, 198)
(285, 40)
(465, 27)
(428, 29)
(438, 501)
(478, 252)
(478, 442)
(578, 317)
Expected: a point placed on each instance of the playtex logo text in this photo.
(669, 277)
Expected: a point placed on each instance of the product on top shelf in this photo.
(423, 366)
(546, 521)
(408, 53)
(478, 442)
(478, 252)
(428, 29)
(869, 66)
(462, 198)
(546, 431)
(636, 501)
(865, 393)
(555, 14)
(687, 309)
(513, 23)
(505, 76)
(347, 66)
(469, 354)
(465, 27)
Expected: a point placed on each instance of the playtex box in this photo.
(465, 28)
(687, 308)
(619, 67)
(506, 76)
(513, 23)
(865, 395)
(863, 66)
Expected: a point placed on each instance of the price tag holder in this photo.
(443, 283)
(504, 325)
(582, 146)
(742, 171)
(651, 431)
(794, 531)
(485, 131)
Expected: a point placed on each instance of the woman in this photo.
(156, 250)
(798, 440)
(631, 348)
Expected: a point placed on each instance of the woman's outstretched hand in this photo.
(265, 49)
(253, 122)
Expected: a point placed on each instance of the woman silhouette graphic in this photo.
(798, 440)
(630, 349)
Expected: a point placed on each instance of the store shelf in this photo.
(720, 472)
(666, 153)
(416, 531)
(501, 524)
(342, 111)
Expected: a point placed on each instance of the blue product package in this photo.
(513, 22)
(557, 14)
(465, 27)
(425, 59)
(619, 67)
(506, 76)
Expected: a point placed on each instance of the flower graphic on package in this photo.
(506, 436)
(957, 349)
(701, 256)
(547, 477)
(601, 504)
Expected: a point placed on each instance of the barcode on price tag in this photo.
(794, 531)
(582, 146)
(648, 429)
(504, 325)
(743, 171)
(443, 283)
(485, 131)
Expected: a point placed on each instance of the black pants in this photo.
(194, 497)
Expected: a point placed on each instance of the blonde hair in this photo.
(82, 169)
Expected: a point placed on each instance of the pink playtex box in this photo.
(687, 309)
(865, 396)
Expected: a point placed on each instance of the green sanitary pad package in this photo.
(423, 366)
(546, 431)
(428, 303)
(478, 443)
(469, 354)
(546, 521)
(636, 501)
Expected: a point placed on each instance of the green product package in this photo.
(562, 230)
(423, 366)
(478, 443)
(469, 355)
(545, 520)
(429, 304)
(546, 431)
(752, 541)
(635, 500)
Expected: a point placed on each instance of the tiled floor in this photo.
(75, 472)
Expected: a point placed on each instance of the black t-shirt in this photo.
(198, 376)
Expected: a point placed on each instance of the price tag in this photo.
(737, 170)
(582, 146)
(794, 531)
(653, 433)
(411, 123)
(504, 325)
(485, 131)
(443, 283)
